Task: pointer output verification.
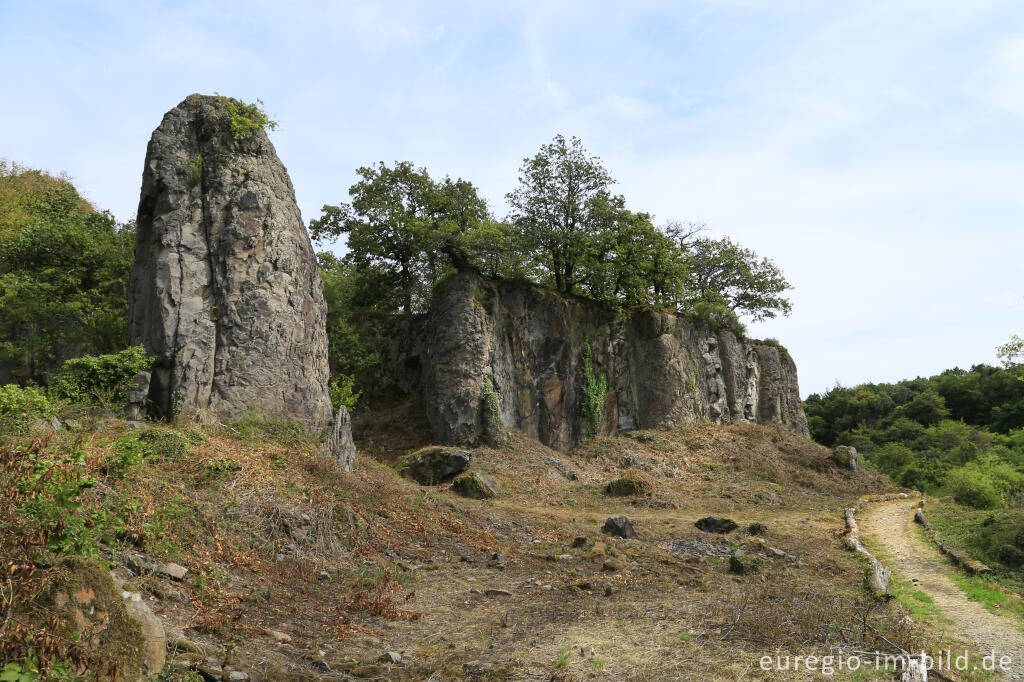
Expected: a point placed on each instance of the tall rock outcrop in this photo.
(527, 344)
(225, 291)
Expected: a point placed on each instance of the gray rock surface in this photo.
(619, 526)
(225, 291)
(341, 444)
(527, 343)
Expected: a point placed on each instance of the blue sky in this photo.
(874, 150)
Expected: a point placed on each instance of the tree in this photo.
(406, 228)
(64, 270)
(556, 208)
(1011, 352)
(721, 271)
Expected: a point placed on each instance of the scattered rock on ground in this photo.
(476, 485)
(619, 526)
(713, 524)
(433, 465)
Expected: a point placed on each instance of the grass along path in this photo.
(891, 525)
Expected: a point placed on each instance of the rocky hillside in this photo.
(260, 560)
(492, 355)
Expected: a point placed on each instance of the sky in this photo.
(873, 150)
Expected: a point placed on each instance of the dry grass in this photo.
(257, 518)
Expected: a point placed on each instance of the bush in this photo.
(135, 448)
(245, 118)
(19, 407)
(342, 392)
(101, 378)
(1011, 556)
(756, 528)
(719, 315)
(973, 488)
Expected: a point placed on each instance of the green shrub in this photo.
(245, 119)
(719, 315)
(101, 378)
(757, 528)
(630, 483)
(342, 392)
(970, 486)
(1011, 556)
(195, 170)
(19, 407)
(595, 388)
(136, 448)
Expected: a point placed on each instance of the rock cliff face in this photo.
(225, 289)
(527, 344)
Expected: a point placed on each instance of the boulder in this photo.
(153, 633)
(713, 524)
(88, 608)
(476, 485)
(225, 290)
(846, 456)
(433, 465)
(619, 526)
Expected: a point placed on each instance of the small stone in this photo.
(565, 557)
(324, 575)
(173, 571)
(135, 425)
(238, 676)
(846, 456)
(392, 657)
(499, 560)
(579, 541)
(495, 592)
(279, 637)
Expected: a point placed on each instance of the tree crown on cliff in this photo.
(566, 229)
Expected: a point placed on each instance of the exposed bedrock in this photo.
(527, 343)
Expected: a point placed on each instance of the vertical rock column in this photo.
(225, 291)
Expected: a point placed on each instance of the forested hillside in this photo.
(959, 433)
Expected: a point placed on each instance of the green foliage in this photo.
(253, 427)
(408, 229)
(981, 533)
(101, 378)
(719, 315)
(245, 119)
(595, 389)
(64, 270)
(970, 486)
(957, 432)
(135, 448)
(719, 271)
(19, 407)
(494, 427)
(1010, 352)
(342, 392)
(55, 505)
(195, 169)
(756, 528)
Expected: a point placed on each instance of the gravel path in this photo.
(891, 524)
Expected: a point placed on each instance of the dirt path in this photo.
(891, 523)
